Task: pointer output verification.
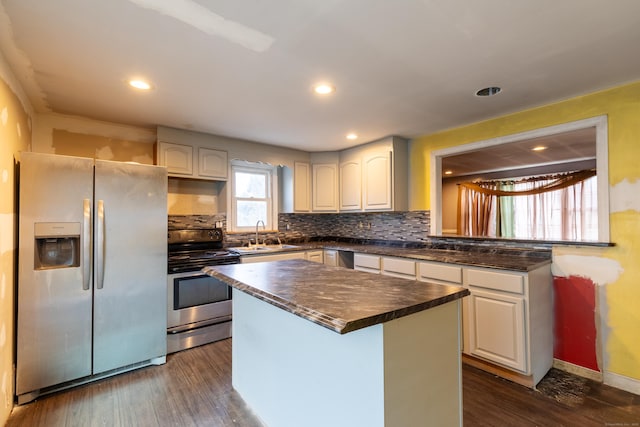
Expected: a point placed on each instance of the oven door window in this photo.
(192, 291)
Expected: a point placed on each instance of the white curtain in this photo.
(546, 210)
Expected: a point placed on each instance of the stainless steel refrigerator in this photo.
(92, 270)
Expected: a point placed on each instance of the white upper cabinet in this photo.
(374, 176)
(350, 186)
(180, 159)
(377, 182)
(301, 187)
(325, 187)
(177, 158)
(212, 163)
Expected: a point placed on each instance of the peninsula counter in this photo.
(315, 345)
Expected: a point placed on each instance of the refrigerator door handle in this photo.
(100, 249)
(86, 245)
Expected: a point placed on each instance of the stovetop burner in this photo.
(193, 249)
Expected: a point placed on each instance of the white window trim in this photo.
(602, 167)
(272, 188)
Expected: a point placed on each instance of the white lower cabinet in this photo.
(497, 328)
(315, 256)
(246, 259)
(365, 262)
(399, 267)
(439, 272)
(509, 319)
(330, 257)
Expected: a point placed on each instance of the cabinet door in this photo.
(315, 256)
(331, 258)
(398, 267)
(248, 259)
(438, 272)
(325, 186)
(212, 163)
(177, 158)
(350, 186)
(364, 262)
(497, 328)
(377, 182)
(301, 187)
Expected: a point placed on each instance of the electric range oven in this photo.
(199, 306)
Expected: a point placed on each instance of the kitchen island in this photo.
(315, 345)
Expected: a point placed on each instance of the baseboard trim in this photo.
(622, 382)
(525, 380)
(581, 371)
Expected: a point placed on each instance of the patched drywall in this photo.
(625, 195)
(580, 306)
(597, 269)
(101, 147)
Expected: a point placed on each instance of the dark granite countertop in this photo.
(502, 258)
(337, 298)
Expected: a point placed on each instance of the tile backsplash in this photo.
(397, 226)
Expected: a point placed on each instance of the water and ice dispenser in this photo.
(57, 245)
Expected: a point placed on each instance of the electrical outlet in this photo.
(368, 226)
(360, 225)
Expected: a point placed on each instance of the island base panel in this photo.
(293, 372)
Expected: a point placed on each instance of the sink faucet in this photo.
(263, 228)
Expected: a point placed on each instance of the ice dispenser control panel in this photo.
(57, 245)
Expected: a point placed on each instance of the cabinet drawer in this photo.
(315, 256)
(441, 272)
(366, 261)
(499, 281)
(400, 266)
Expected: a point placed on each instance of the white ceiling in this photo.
(245, 68)
(563, 152)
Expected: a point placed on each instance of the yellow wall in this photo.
(619, 289)
(15, 136)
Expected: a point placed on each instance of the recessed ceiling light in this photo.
(139, 84)
(323, 88)
(539, 148)
(448, 172)
(352, 136)
(489, 91)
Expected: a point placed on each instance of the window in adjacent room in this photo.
(253, 196)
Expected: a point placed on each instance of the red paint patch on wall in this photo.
(575, 323)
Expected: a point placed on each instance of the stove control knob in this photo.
(215, 235)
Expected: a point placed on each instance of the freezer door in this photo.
(54, 295)
(130, 302)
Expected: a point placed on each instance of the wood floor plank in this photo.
(193, 389)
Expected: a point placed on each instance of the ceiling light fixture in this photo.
(539, 148)
(489, 91)
(323, 88)
(352, 136)
(448, 172)
(139, 84)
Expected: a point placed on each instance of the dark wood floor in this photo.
(194, 389)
